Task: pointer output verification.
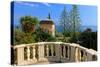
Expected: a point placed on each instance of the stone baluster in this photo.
(47, 50)
(28, 53)
(76, 54)
(79, 55)
(52, 50)
(68, 51)
(34, 52)
(64, 51)
(84, 55)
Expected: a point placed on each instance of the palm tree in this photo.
(28, 23)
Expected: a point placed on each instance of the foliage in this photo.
(28, 22)
(70, 23)
(21, 37)
(75, 19)
(88, 39)
(58, 34)
(64, 21)
(43, 36)
(75, 23)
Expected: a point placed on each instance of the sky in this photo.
(88, 14)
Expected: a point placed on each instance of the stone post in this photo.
(41, 52)
(64, 51)
(58, 52)
(34, 52)
(84, 55)
(76, 55)
(20, 55)
(72, 58)
(47, 50)
(28, 53)
(68, 52)
(52, 50)
(79, 55)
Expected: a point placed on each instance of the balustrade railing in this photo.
(51, 52)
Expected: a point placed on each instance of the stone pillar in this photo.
(58, 52)
(79, 54)
(72, 58)
(34, 52)
(52, 50)
(68, 52)
(47, 50)
(28, 53)
(20, 55)
(41, 52)
(76, 55)
(84, 55)
(64, 51)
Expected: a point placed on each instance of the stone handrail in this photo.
(55, 52)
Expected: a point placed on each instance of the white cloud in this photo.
(28, 4)
(47, 4)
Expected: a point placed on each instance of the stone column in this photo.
(79, 54)
(76, 55)
(84, 55)
(34, 52)
(58, 52)
(72, 58)
(52, 50)
(28, 53)
(68, 51)
(20, 55)
(47, 50)
(41, 52)
(64, 51)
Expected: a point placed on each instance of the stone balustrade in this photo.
(55, 52)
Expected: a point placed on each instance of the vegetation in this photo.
(28, 23)
(70, 23)
(43, 36)
(64, 21)
(75, 22)
(26, 34)
(88, 39)
(21, 37)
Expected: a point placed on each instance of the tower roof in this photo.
(47, 21)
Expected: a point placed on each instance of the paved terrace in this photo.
(51, 52)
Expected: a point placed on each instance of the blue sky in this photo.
(88, 14)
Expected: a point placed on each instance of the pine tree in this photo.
(75, 21)
(64, 21)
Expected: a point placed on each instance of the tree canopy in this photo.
(28, 22)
